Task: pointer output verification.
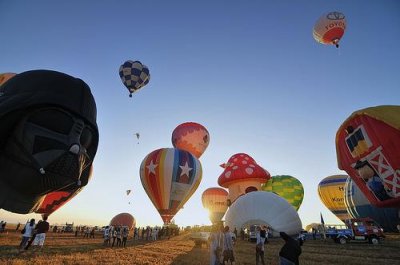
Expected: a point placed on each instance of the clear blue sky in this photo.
(249, 71)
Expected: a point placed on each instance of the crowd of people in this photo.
(221, 240)
(118, 235)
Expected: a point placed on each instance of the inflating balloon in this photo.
(359, 207)
(368, 148)
(123, 219)
(288, 187)
(331, 193)
(134, 75)
(192, 137)
(48, 137)
(330, 28)
(242, 175)
(170, 176)
(263, 208)
(215, 201)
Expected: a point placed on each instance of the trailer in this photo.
(357, 229)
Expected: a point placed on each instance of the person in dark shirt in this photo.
(290, 252)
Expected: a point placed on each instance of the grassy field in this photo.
(67, 249)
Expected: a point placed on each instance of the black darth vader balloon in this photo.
(48, 137)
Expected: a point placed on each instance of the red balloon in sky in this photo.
(191, 137)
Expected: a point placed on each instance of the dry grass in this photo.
(66, 249)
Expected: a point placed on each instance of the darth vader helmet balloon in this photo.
(48, 137)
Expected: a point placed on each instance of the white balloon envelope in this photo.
(263, 208)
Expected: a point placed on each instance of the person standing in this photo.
(290, 252)
(27, 233)
(215, 246)
(125, 233)
(228, 247)
(260, 237)
(119, 237)
(106, 236)
(41, 230)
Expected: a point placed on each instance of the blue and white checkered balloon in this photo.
(134, 75)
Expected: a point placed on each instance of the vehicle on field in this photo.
(200, 238)
(359, 229)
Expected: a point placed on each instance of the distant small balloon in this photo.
(329, 28)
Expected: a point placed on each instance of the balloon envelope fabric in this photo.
(170, 176)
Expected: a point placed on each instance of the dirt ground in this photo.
(68, 249)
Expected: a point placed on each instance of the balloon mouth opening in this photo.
(336, 42)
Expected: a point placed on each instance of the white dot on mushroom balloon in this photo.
(249, 170)
(235, 160)
(247, 158)
(244, 162)
(252, 165)
(228, 174)
(235, 167)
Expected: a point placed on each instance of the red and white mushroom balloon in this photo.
(242, 175)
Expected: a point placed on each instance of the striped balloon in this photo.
(170, 176)
(331, 193)
(288, 187)
(215, 201)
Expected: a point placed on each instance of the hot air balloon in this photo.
(191, 137)
(54, 200)
(170, 176)
(5, 76)
(48, 137)
(367, 148)
(359, 207)
(123, 219)
(330, 28)
(214, 199)
(288, 187)
(242, 175)
(134, 75)
(263, 208)
(331, 193)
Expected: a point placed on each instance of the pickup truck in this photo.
(200, 238)
(360, 229)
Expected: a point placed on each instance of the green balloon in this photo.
(287, 187)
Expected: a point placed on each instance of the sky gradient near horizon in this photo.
(249, 71)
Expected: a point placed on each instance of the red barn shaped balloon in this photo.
(368, 149)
